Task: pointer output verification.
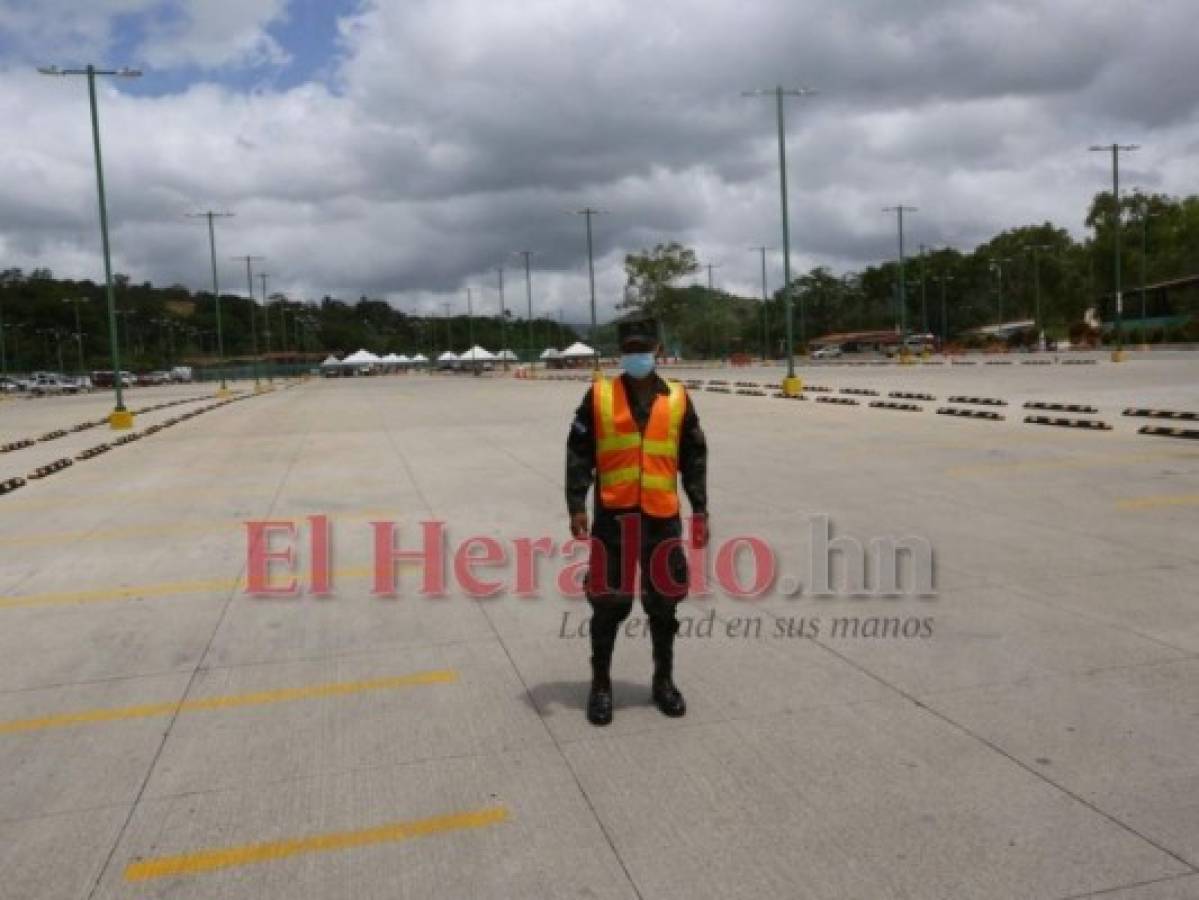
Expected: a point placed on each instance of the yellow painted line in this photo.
(232, 701)
(164, 528)
(1076, 462)
(249, 854)
(1159, 501)
(124, 498)
(162, 589)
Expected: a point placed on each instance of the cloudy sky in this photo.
(405, 148)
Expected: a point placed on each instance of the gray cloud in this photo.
(453, 132)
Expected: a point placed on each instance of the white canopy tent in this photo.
(330, 362)
(403, 360)
(507, 356)
(361, 358)
(449, 358)
(577, 350)
(420, 359)
(477, 354)
(550, 353)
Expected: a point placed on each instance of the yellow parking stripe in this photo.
(162, 589)
(232, 701)
(1159, 501)
(165, 528)
(249, 854)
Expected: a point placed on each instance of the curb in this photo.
(1092, 424)
(50, 468)
(977, 401)
(1162, 431)
(1061, 407)
(887, 404)
(11, 484)
(844, 401)
(970, 413)
(1162, 414)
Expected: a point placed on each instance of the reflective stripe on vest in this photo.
(637, 470)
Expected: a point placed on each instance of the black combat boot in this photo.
(599, 701)
(666, 696)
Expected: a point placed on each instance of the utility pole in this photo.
(1115, 150)
(765, 305)
(266, 319)
(216, 290)
(79, 331)
(923, 293)
(503, 331)
(901, 295)
(3, 347)
(1036, 249)
(250, 260)
(449, 330)
(282, 323)
(710, 304)
(791, 385)
(470, 325)
(1146, 215)
(997, 266)
(120, 416)
(529, 297)
(588, 213)
(944, 280)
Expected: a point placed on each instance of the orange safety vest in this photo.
(637, 470)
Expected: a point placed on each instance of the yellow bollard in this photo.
(792, 386)
(120, 419)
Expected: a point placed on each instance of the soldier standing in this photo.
(634, 437)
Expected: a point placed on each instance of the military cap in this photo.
(638, 335)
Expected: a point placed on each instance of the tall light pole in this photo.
(470, 325)
(765, 305)
(997, 267)
(79, 331)
(529, 297)
(3, 342)
(1146, 215)
(923, 292)
(1036, 250)
(711, 303)
(944, 280)
(266, 321)
(216, 289)
(282, 322)
(899, 210)
(587, 212)
(503, 335)
(249, 261)
(791, 384)
(120, 416)
(1115, 150)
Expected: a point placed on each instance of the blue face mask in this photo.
(637, 365)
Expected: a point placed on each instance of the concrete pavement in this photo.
(162, 733)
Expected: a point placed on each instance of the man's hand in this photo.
(699, 531)
(578, 524)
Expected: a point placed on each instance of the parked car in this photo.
(9, 385)
(829, 351)
(42, 383)
(181, 374)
